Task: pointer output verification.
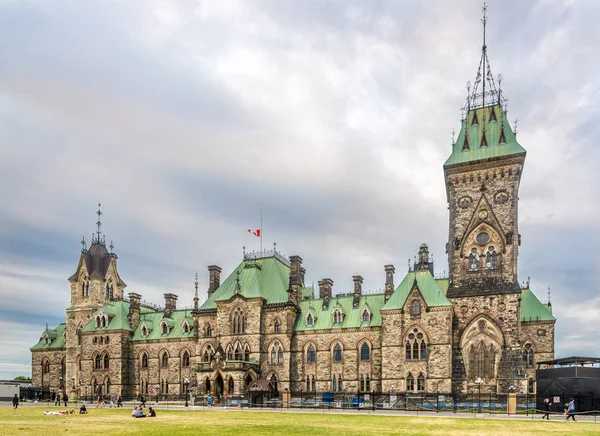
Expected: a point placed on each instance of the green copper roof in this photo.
(432, 293)
(117, 317)
(153, 322)
(352, 316)
(489, 122)
(532, 309)
(443, 284)
(56, 339)
(264, 277)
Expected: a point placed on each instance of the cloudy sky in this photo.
(186, 118)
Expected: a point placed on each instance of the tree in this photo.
(22, 378)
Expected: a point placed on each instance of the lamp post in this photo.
(479, 382)
(392, 390)
(187, 391)
(157, 391)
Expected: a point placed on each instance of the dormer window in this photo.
(310, 320)
(338, 318)
(165, 328)
(144, 331)
(186, 327)
(47, 339)
(366, 316)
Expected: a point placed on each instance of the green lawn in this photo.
(113, 422)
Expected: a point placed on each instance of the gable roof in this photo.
(117, 317)
(57, 339)
(266, 277)
(428, 286)
(532, 309)
(352, 315)
(153, 320)
(472, 134)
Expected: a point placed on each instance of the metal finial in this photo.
(453, 134)
(111, 246)
(244, 250)
(484, 21)
(515, 128)
(549, 296)
(83, 244)
(274, 246)
(99, 223)
(409, 264)
(528, 280)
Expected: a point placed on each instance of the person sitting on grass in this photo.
(151, 413)
(83, 410)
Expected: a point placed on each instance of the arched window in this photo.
(106, 340)
(164, 361)
(239, 322)
(366, 316)
(277, 353)
(276, 326)
(98, 321)
(308, 383)
(238, 352)
(313, 384)
(474, 260)
(528, 356)
(416, 346)
(337, 316)
(165, 328)
(311, 354)
(97, 362)
(368, 383)
(144, 360)
(410, 383)
(310, 320)
(95, 340)
(46, 367)
(185, 361)
(209, 331)
(186, 327)
(491, 258)
(420, 383)
(229, 352)
(365, 353)
(106, 361)
(415, 307)
(337, 353)
(104, 321)
(205, 356)
(101, 340)
(247, 353)
(334, 384)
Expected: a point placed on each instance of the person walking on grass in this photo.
(571, 410)
(15, 402)
(546, 409)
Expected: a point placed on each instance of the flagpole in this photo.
(261, 230)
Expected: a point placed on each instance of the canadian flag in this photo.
(255, 232)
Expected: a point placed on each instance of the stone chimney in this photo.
(214, 278)
(357, 290)
(170, 304)
(389, 281)
(325, 289)
(296, 275)
(134, 310)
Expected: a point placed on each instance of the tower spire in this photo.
(99, 224)
(196, 293)
(484, 87)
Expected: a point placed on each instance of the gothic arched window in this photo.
(165, 360)
(229, 352)
(337, 316)
(185, 361)
(365, 352)
(46, 367)
(474, 260)
(106, 361)
(276, 353)
(337, 353)
(247, 353)
(420, 383)
(410, 383)
(482, 361)
(239, 322)
(311, 354)
(366, 316)
(97, 362)
(165, 328)
(491, 258)
(309, 319)
(144, 360)
(528, 356)
(238, 352)
(416, 346)
(415, 307)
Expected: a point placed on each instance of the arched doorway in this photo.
(219, 385)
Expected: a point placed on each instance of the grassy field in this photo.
(113, 422)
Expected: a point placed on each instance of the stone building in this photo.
(262, 325)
